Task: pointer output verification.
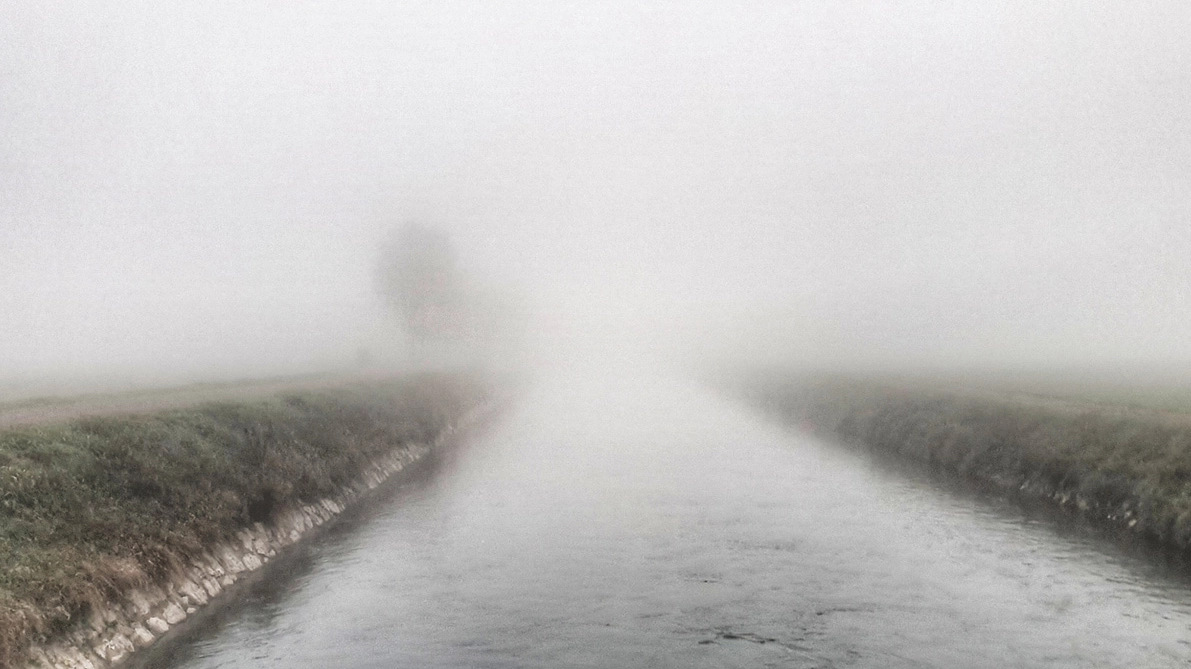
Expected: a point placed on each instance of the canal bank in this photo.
(118, 529)
(643, 522)
(1130, 468)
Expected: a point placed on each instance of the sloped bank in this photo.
(1128, 467)
(114, 530)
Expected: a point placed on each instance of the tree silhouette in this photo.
(419, 280)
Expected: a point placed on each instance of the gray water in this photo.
(651, 524)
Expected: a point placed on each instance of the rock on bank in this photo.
(114, 530)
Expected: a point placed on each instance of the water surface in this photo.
(646, 523)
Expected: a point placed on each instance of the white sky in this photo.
(201, 187)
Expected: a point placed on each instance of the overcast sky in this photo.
(202, 186)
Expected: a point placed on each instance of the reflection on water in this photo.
(650, 524)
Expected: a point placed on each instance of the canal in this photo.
(648, 523)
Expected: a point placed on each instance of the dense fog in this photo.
(203, 190)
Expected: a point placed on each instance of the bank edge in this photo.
(122, 618)
(1127, 467)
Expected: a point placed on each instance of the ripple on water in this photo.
(688, 532)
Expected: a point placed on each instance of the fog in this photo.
(200, 191)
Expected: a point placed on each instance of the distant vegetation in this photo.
(1164, 388)
(1130, 466)
(420, 281)
(92, 508)
(442, 309)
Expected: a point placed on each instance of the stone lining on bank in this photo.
(115, 631)
(1127, 468)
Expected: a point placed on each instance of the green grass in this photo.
(91, 508)
(1126, 465)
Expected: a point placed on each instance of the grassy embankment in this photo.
(92, 508)
(1128, 465)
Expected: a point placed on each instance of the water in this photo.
(650, 524)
